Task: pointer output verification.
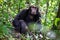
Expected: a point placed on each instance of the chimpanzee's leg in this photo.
(23, 27)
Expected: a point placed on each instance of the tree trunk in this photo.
(58, 14)
(57, 27)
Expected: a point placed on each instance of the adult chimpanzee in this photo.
(24, 17)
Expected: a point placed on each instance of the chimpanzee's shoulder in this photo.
(24, 10)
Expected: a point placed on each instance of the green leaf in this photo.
(56, 20)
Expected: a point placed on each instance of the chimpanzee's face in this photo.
(33, 10)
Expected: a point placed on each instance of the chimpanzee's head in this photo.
(33, 10)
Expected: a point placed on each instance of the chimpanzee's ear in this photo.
(37, 9)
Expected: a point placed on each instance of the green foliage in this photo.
(9, 9)
(56, 21)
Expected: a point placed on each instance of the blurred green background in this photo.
(50, 18)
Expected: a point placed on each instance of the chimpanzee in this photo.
(25, 17)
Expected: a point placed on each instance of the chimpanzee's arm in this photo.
(19, 16)
(38, 17)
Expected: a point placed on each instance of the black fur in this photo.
(24, 18)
